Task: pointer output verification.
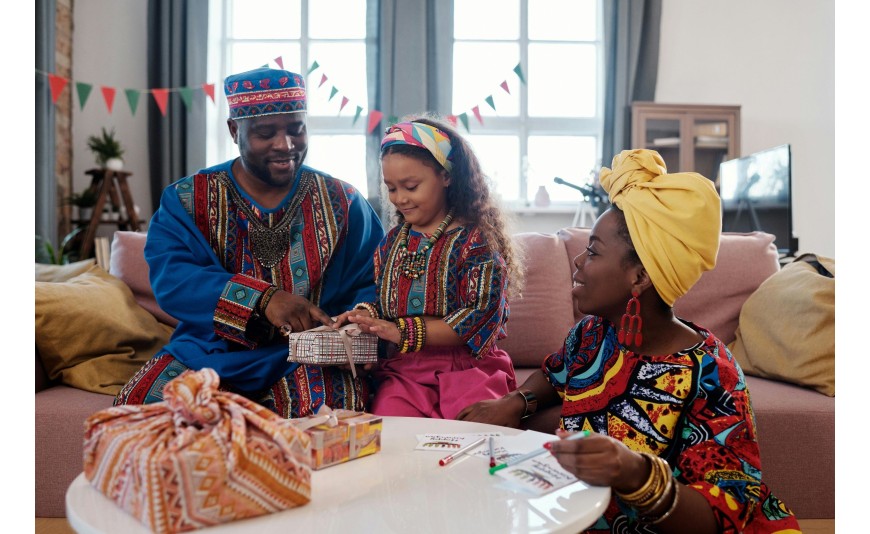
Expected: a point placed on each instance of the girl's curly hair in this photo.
(469, 195)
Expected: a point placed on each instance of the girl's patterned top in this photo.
(691, 408)
(465, 282)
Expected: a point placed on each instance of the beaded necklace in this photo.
(413, 264)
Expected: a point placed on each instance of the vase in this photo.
(114, 164)
(542, 197)
(85, 213)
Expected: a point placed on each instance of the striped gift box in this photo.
(324, 346)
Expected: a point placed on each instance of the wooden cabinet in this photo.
(689, 137)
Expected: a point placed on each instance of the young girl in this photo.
(443, 275)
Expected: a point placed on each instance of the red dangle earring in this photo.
(629, 328)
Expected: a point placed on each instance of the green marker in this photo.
(536, 452)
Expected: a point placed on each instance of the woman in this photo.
(673, 430)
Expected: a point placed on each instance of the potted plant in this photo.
(107, 150)
(85, 202)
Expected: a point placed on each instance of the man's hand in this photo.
(296, 312)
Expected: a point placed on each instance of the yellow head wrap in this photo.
(674, 219)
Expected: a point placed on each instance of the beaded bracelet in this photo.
(419, 333)
(403, 334)
(265, 298)
(369, 307)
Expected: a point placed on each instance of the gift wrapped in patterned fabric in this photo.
(325, 346)
(199, 458)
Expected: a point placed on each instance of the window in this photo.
(551, 126)
(246, 34)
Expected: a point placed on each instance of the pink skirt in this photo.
(439, 382)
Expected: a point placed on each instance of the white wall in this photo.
(109, 49)
(775, 59)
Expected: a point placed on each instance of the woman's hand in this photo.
(600, 460)
(342, 319)
(296, 312)
(506, 411)
(386, 330)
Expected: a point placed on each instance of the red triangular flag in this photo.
(476, 111)
(322, 81)
(374, 119)
(56, 84)
(161, 96)
(504, 86)
(344, 102)
(109, 97)
(453, 120)
(208, 88)
(280, 61)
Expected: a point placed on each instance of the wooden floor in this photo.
(59, 525)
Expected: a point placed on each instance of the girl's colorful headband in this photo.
(420, 135)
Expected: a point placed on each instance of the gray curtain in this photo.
(631, 55)
(177, 57)
(418, 35)
(46, 183)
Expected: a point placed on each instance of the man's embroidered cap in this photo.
(264, 91)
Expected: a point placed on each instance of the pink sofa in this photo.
(795, 424)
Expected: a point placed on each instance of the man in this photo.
(254, 247)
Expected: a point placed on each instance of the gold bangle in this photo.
(652, 520)
(655, 487)
(635, 495)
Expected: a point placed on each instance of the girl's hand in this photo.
(386, 330)
(342, 319)
(506, 411)
(600, 460)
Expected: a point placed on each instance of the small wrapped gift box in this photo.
(338, 436)
(325, 346)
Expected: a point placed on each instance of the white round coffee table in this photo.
(398, 489)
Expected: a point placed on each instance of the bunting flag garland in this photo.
(476, 111)
(186, 94)
(519, 70)
(392, 119)
(83, 90)
(375, 117)
(161, 96)
(132, 99)
(56, 84)
(464, 118)
(208, 88)
(109, 97)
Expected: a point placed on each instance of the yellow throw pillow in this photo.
(786, 327)
(91, 334)
(61, 273)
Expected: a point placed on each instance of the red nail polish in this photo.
(548, 445)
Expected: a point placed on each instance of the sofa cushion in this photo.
(61, 273)
(541, 318)
(745, 261)
(91, 334)
(127, 263)
(799, 350)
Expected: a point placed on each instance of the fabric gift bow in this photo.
(345, 332)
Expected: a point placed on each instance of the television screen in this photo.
(756, 195)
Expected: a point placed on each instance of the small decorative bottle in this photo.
(542, 198)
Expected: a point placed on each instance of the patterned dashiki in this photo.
(465, 282)
(691, 408)
(204, 273)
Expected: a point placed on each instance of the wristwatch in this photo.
(531, 403)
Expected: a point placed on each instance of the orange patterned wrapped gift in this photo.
(199, 458)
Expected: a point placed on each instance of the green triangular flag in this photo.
(464, 118)
(186, 96)
(356, 117)
(332, 93)
(132, 99)
(392, 119)
(84, 90)
(519, 70)
(312, 68)
(490, 101)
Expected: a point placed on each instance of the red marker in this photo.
(447, 459)
(491, 451)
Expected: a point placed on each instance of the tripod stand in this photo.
(743, 200)
(587, 209)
